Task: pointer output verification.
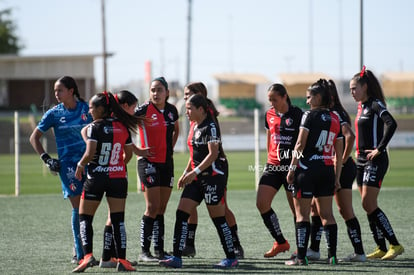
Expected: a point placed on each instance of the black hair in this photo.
(111, 107)
(127, 97)
(321, 87)
(374, 89)
(70, 83)
(280, 90)
(163, 82)
(197, 100)
(337, 105)
(200, 88)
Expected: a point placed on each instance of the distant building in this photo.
(242, 92)
(27, 81)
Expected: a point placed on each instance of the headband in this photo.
(162, 81)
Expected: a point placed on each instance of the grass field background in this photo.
(35, 179)
(36, 235)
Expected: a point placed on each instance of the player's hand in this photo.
(51, 163)
(371, 154)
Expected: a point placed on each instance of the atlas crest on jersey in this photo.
(325, 117)
(170, 116)
(84, 117)
(288, 121)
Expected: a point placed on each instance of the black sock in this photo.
(86, 232)
(316, 230)
(158, 233)
(147, 224)
(235, 234)
(272, 223)
(331, 234)
(192, 227)
(385, 226)
(225, 235)
(354, 234)
(376, 232)
(302, 238)
(108, 243)
(180, 232)
(120, 237)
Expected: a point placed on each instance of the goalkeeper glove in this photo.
(52, 164)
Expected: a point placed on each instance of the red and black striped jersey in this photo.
(324, 129)
(283, 130)
(157, 130)
(111, 137)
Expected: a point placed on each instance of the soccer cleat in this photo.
(160, 255)
(277, 248)
(189, 251)
(147, 257)
(294, 255)
(124, 265)
(377, 254)
(297, 261)
(238, 250)
(111, 263)
(88, 261)
(74, 260)
(393, 252)
(171, 261)
(227, 263)
(354, 257)
(313, 255)
(333, 261)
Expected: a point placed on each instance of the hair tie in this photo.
(362, 71)
(107, 97)
(116, 98)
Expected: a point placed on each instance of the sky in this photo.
(265, 37)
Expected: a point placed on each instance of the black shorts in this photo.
(348, 174)
(316, 180)
(209, 188)
(94, 188)
(153, 174)
(372, 172)
(274, 176)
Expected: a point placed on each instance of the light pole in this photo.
(104, 54)
(361, 27)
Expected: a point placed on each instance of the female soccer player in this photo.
(189, 250)
(159, 132)
(128, 102)
(313, 173)
(67, 119)
(204, 179)
(108, 149)
(343, 196)
(375, 127)
(282, 128)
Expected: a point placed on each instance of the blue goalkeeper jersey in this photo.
(67, 126)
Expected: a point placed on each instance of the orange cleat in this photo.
(277, 248)
(88, 261)
(124, 265)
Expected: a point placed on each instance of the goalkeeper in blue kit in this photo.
(67, 119)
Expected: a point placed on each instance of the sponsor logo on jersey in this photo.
(100, 169)
(107, 130)
(197, 134)
(62, 119)
(154, 116)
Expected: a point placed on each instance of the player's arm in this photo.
(175, 133)
(299, 147)
(349, 141)
(51, 163)
(86, 158)
(128, 150)
(339, 149)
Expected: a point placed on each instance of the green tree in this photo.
(9, 42)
